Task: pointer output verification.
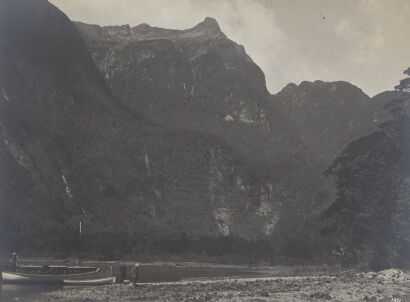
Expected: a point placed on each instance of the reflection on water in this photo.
(155, 273)
(148, 273)
(23, 293)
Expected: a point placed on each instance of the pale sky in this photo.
(365, 42)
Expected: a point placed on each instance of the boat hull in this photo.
(90, 282)
(20, 278)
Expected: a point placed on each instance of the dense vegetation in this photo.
(370, 219)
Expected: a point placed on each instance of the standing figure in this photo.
(14, 261)
(123, 274)
(135, 273)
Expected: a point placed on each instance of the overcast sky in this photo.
(365, 42)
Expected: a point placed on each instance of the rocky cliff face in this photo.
(178, 137)
(193, 79)
(198, 79)
(328, 115)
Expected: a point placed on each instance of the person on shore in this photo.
(123, 274)
(135, 273)
(14, 261)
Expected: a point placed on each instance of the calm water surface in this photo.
(148, 273)
(25, 293)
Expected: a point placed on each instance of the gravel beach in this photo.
(390, 285)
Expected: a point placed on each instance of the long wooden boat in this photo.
(50, 276)
(54, 269)
(102, 281)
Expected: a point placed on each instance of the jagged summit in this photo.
(208, 29)
(210, 20)
(208, 23)
(143, 26)
(320, 85)
(323, 110)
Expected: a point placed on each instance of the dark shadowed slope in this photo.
(194, 79)
(61, 146)
(197, 79)
(327, 114)
(370, 219)
(68, 146)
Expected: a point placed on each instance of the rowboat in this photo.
(102, 281)
(49, 275)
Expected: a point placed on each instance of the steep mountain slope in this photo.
(60, 143)
(362, 141)
(369, 223)
(193, 79)
(70, 151)
(198, 79)
(328, 115)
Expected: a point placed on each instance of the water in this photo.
(23, 293)
(148, 273)
(154, 273)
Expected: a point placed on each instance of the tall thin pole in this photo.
(80, 243)
(81, 237)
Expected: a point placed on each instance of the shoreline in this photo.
(345, 287)
(291, 270)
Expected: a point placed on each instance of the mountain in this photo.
(370, 219)
(164, 142)
(361, 143)
(176, 147)
(331, 115)
(194, 79)
(327, 114)
(62, 142)
(198, 79)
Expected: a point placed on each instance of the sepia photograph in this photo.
(204, 150)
